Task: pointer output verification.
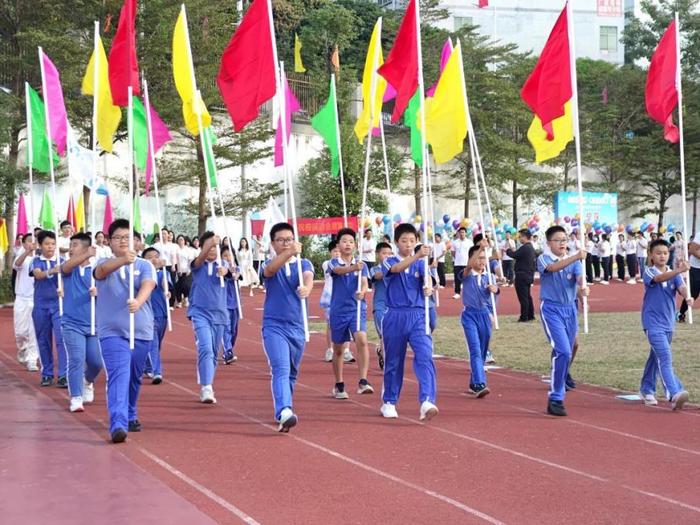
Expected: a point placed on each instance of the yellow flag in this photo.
(563, 130)
(4, 241)
(108, 115)
(298, 64)
(446, 111)
(183, 73)
(80, 213)
(373, 60)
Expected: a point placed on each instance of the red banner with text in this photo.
(323, 226)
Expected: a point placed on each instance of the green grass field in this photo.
(612, 354)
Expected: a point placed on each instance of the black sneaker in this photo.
(62, 382)
(380, 358)
(556, 408)
(681, 318)
(157, 379)
(480, 390)
(230, 357)
(119, 436)
(570, 383)
(46, 381)
(134, 426)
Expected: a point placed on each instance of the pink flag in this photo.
(161, 135)
(70, 212)
(389, 93)
(108, 216)
(291, 105)
(444, 57)
(56, 108)
(22, 226)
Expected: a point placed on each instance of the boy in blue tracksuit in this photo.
(232, 295)
(159, 304)
(404, 324)
(477, 287)
(560, 276)
(283, 326)
(376, 273)
(207, 311)
(661, 284)
(123, 365)
(45, 314)
(345, 272)
(84, 356)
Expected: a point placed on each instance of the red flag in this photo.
(483, 3)
(548, 87)
(108, 215)
(123, 64)
(246, 76)
(401, 66)
(70, 213)
(661, 91)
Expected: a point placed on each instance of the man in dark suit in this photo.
(525, 258)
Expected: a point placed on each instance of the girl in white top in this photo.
(678, 249)
(245, 260)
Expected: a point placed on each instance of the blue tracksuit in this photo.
(123, 366)
(47, 321)
(283, 331)
(159, 303)
(559, 317)
(208, 314)
(658, 318)
(343, 310)
(379, 299)
(432, 311)
(476, 322)
(231, 329)
(404, 324)
(83, 350)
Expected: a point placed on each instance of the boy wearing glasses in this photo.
(123, 365)
(560, 275)
(283, 326)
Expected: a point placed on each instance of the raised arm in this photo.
(75, 261)
(113, 264)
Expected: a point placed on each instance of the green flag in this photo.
(137, 213)
(410, 118)
(209, 141)
(40, 154)
(47, 218)
(140, 135)
(326, 125)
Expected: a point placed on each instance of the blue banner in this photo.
(601, 207)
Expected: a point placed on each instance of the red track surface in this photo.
(499, 459)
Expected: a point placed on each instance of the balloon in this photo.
(513, 231)
(386, 219)
(496, 222)
(455, 224)
(607, 229)
(430, 232)
(629, 229)
(469, 232)
(635, 229)
(670, 228)
(651, 228)
(536, 218)
(574, 222)
(418, 218)
(446, 219)
(643, 226)
(378, 220)
(662, 229)
(422, 226)
(397, 217)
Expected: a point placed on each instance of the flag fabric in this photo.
(80, 161)
(446, 111)
(335, 59)
(47, 218)
(298, 63)
(483, 3)
(80, 213)
(140, 138)
(4, 241)
(273, 215)
(55, 105)
(108, 114)
(160, 136)
(183, 73)
(209, 141)
(70, 212)
(401, 66)
(108, 215)
(410, 118)
(444, 57)
(22, 225)
(39, 158)
(291, 105)
(547, 92)
(123, 64)
(246, 77)
(137, 213)
(373, 60)
(326, 125)
(661, 90)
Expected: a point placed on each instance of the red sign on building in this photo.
(609, 7)
(323, 226)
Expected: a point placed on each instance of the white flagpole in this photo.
(340, 152)
(130, 175)
(431, 218)
(682, 152)
(386, 165)
(49, 143)
(152, 160)
(292, 205)
(30, 158)
(577, 137)
(93, 193)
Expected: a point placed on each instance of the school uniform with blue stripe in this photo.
(46, 318)
(231, 329)
(159, 303)
(379, 298)
(559, 317)
(476, 322)
(658, 318)
(343, 309)
(83, 350)
(283, 330)
(404, 324)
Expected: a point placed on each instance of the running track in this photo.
(496, 460)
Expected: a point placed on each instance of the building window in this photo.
(461, 21)
(608, 39)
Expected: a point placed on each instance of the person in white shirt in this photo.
(694, 274)
(574, 245)
(620, 257)
(195, 247)
(63, 241)
(368, 247)
(102, 249)
(25, 336)
(185, 256)
(631, 258)
(439, 251)
(678, 248)
(589, 246)
(506, 260)
(460, 258)
(642, 245)
(168, 253)
(259, 256)
(604, 250)
(245, 260)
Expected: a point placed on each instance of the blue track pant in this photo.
(560, 322)
(231, 330)
(284, 347)
(153, 364)
(209, 338)
(477, 332)
(660, 363)
(84, 358)
(47, 323)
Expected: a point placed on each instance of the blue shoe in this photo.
(569, 382)
(118, 436)
(46, 381)
(230, 357)
(556, 408)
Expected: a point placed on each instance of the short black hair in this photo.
(474, 249)
(552, 230)
(45, 234)
(224, 248)
(149, 250)
(658, 242)
(332, 245)
(478, 238)
(206, 235)
(404, 228)
(118, 224)
(346, 231)
(526, 233)
(461, 229)
(65, 223)
(438, 235)
(83, 237)
(27, 236)
(280, 226)
(381, 246)
(137, 235)
(99, 232)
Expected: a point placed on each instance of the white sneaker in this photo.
(428, 411)
(339, 394)
(88, 391)
(329, 355)
(649, 399)
(489, 358)
(631, 281)
(287, 420)
(76, 404)
(605, 282)
(347, 356)
(32, 366)
(389, 411)
(456, 296)
(680, 399)
(206, 395)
